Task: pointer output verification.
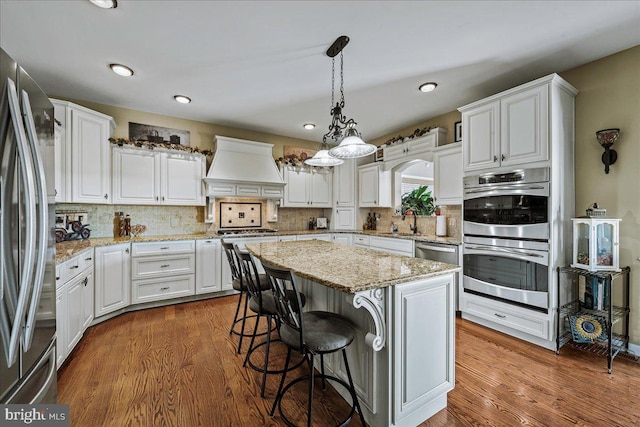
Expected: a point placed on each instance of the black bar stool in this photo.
(261, 302)
(311, 333)
(238, 285)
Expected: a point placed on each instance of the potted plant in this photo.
(418, 202)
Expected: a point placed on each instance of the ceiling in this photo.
(262, 65)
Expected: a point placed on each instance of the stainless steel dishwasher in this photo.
(440, 252)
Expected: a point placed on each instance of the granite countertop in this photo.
(345, 268)
(69, 249)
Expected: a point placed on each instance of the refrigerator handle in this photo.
(42, 221)
(28, 184)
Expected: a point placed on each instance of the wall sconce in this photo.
(606, 138)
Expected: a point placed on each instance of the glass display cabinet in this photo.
(596, 244)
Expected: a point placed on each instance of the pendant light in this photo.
(351, 143)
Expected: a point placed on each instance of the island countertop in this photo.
(346, 268)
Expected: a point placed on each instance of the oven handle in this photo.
(515, 190)
(506, 187)
(504, 250)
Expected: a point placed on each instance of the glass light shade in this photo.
(322, 158)
(182, 99)
(352, 146)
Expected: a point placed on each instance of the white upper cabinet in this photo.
(511, 128)
(480, 137)
(344, 183)
(87, 155)
(448, 174)
(524, 127)
(374, 186)
(151, 177)
(415, 146)
(307, 187)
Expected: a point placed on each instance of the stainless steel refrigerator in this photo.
(27, 246)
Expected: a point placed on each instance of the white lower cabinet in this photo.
(159, 277)
(113, 278)
(208, 271)
(391, 245)
(499, 314)
(74, 302)
(341, 238)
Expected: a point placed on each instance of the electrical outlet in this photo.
(175, 222)
(452, 222)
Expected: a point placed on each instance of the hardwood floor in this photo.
(178, 366)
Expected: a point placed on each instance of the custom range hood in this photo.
(242, 168)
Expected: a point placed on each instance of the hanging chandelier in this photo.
(341, 129)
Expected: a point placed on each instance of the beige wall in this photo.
(201, 133)
(609, 97)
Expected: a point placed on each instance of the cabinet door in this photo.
(344, 183)
(414, 305)
(208, 278)
(524, 127)
(396, 151)
(61, 327)
(112, 278)
(480, 140)
(321, 188)
(344, 239)
(136, 177)
(448, 182)
(87, 299)
(181, 182)
(296, 192)
(368, 182)
(90, 159)
(344, 219)
(75, 312)
(59, 177)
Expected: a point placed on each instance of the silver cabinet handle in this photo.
(86, 280)
(164, 265)
(502, 316)
(495, 158)
(73, 267)
(157, 198)
(106, 196)
(503, 157)
(164, 248)
(166, 288)
(163, 198)
(88, 259)
(127, 250)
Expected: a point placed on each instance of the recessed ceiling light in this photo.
(309, 126)
(182, 99)
(105, 4)
(121, 70)
(427, 87)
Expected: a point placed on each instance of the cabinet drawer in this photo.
(397, 246)
(524, 320)
(163, 248)
(359, 240)
(160, 266)
(73, 266)
(165, 288)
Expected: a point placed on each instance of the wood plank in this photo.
(177, 366)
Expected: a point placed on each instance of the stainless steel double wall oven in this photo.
(506, 236)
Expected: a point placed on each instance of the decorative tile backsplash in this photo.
(160, 220)
(426, 224)
(240, 214)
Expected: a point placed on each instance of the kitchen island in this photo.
(402, 359)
